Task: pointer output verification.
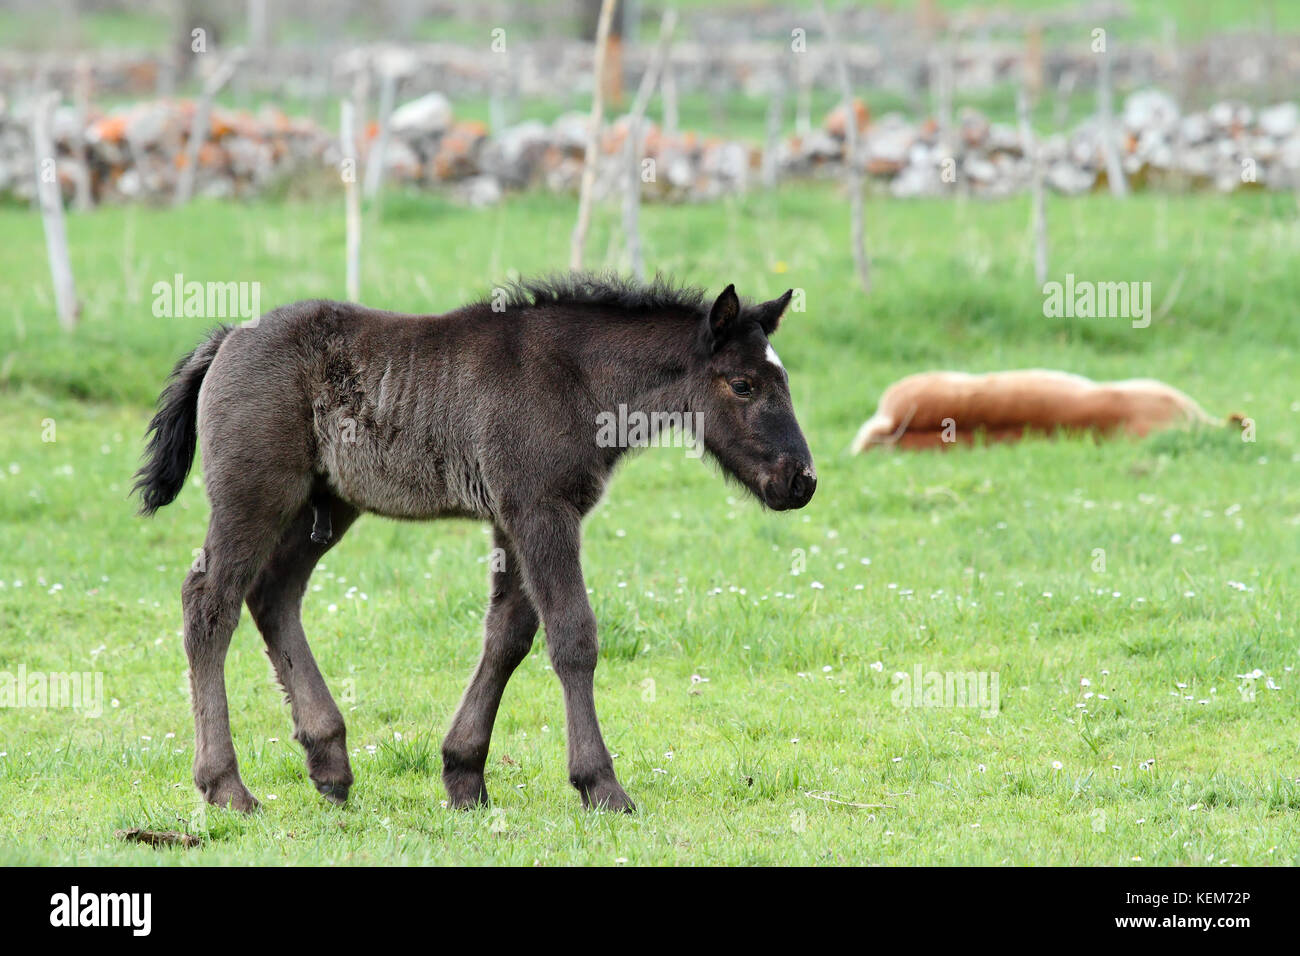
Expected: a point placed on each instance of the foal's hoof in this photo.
(229, 794)
(335, 793)
(327, 763)
(465, 790)
(607, 796)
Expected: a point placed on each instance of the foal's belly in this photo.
(411, 496)
(406, 479)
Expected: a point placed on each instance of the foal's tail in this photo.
(173, 434)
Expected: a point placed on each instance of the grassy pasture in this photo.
(740, 697)
(732, 114)
(31, 27)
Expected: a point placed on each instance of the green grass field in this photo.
(143, 28)
(1118, 591)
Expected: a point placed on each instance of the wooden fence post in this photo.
(632, 147)
(857, 229)
(579, 239)
(258, 27)
(200, 126)
(80, 152)
(1039, 215)
(351, 198)
(50, 197)
(803, 97)
(375, 158)
(669, 86)
(944, 83)
(1106, 123)
(772, 142)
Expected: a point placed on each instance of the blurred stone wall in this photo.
(136, 153)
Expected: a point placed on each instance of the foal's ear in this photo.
(769, 313)
(723, 318)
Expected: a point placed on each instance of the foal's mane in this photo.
(606, 289)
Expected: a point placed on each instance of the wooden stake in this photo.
(361, 100)
(199, 126)
(50, 197)
(81, 99)
(775, 109)
(497, 112)
(632, 147)
(803, 99)
(857, 229)
(1179, 90)
(1064, 90)
(258, 30)
(579, 239)
(1039, 215)
(351, 198)
(669, 90)
(375, 158)
(1034, 58)
(943, 97)
(1106, 123)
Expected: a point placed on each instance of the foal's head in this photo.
(743, 395)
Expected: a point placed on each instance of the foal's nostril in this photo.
(802, 486)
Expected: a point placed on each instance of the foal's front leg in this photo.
(548, 544)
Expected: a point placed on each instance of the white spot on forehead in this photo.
(773, 357)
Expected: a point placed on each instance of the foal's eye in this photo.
(741, 387)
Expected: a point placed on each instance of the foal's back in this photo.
(402, 415)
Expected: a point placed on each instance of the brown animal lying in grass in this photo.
(937, 409)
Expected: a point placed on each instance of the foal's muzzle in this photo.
(790, 485)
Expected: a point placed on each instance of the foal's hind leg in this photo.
(275, 601)
(238, 542)
(508, 636)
